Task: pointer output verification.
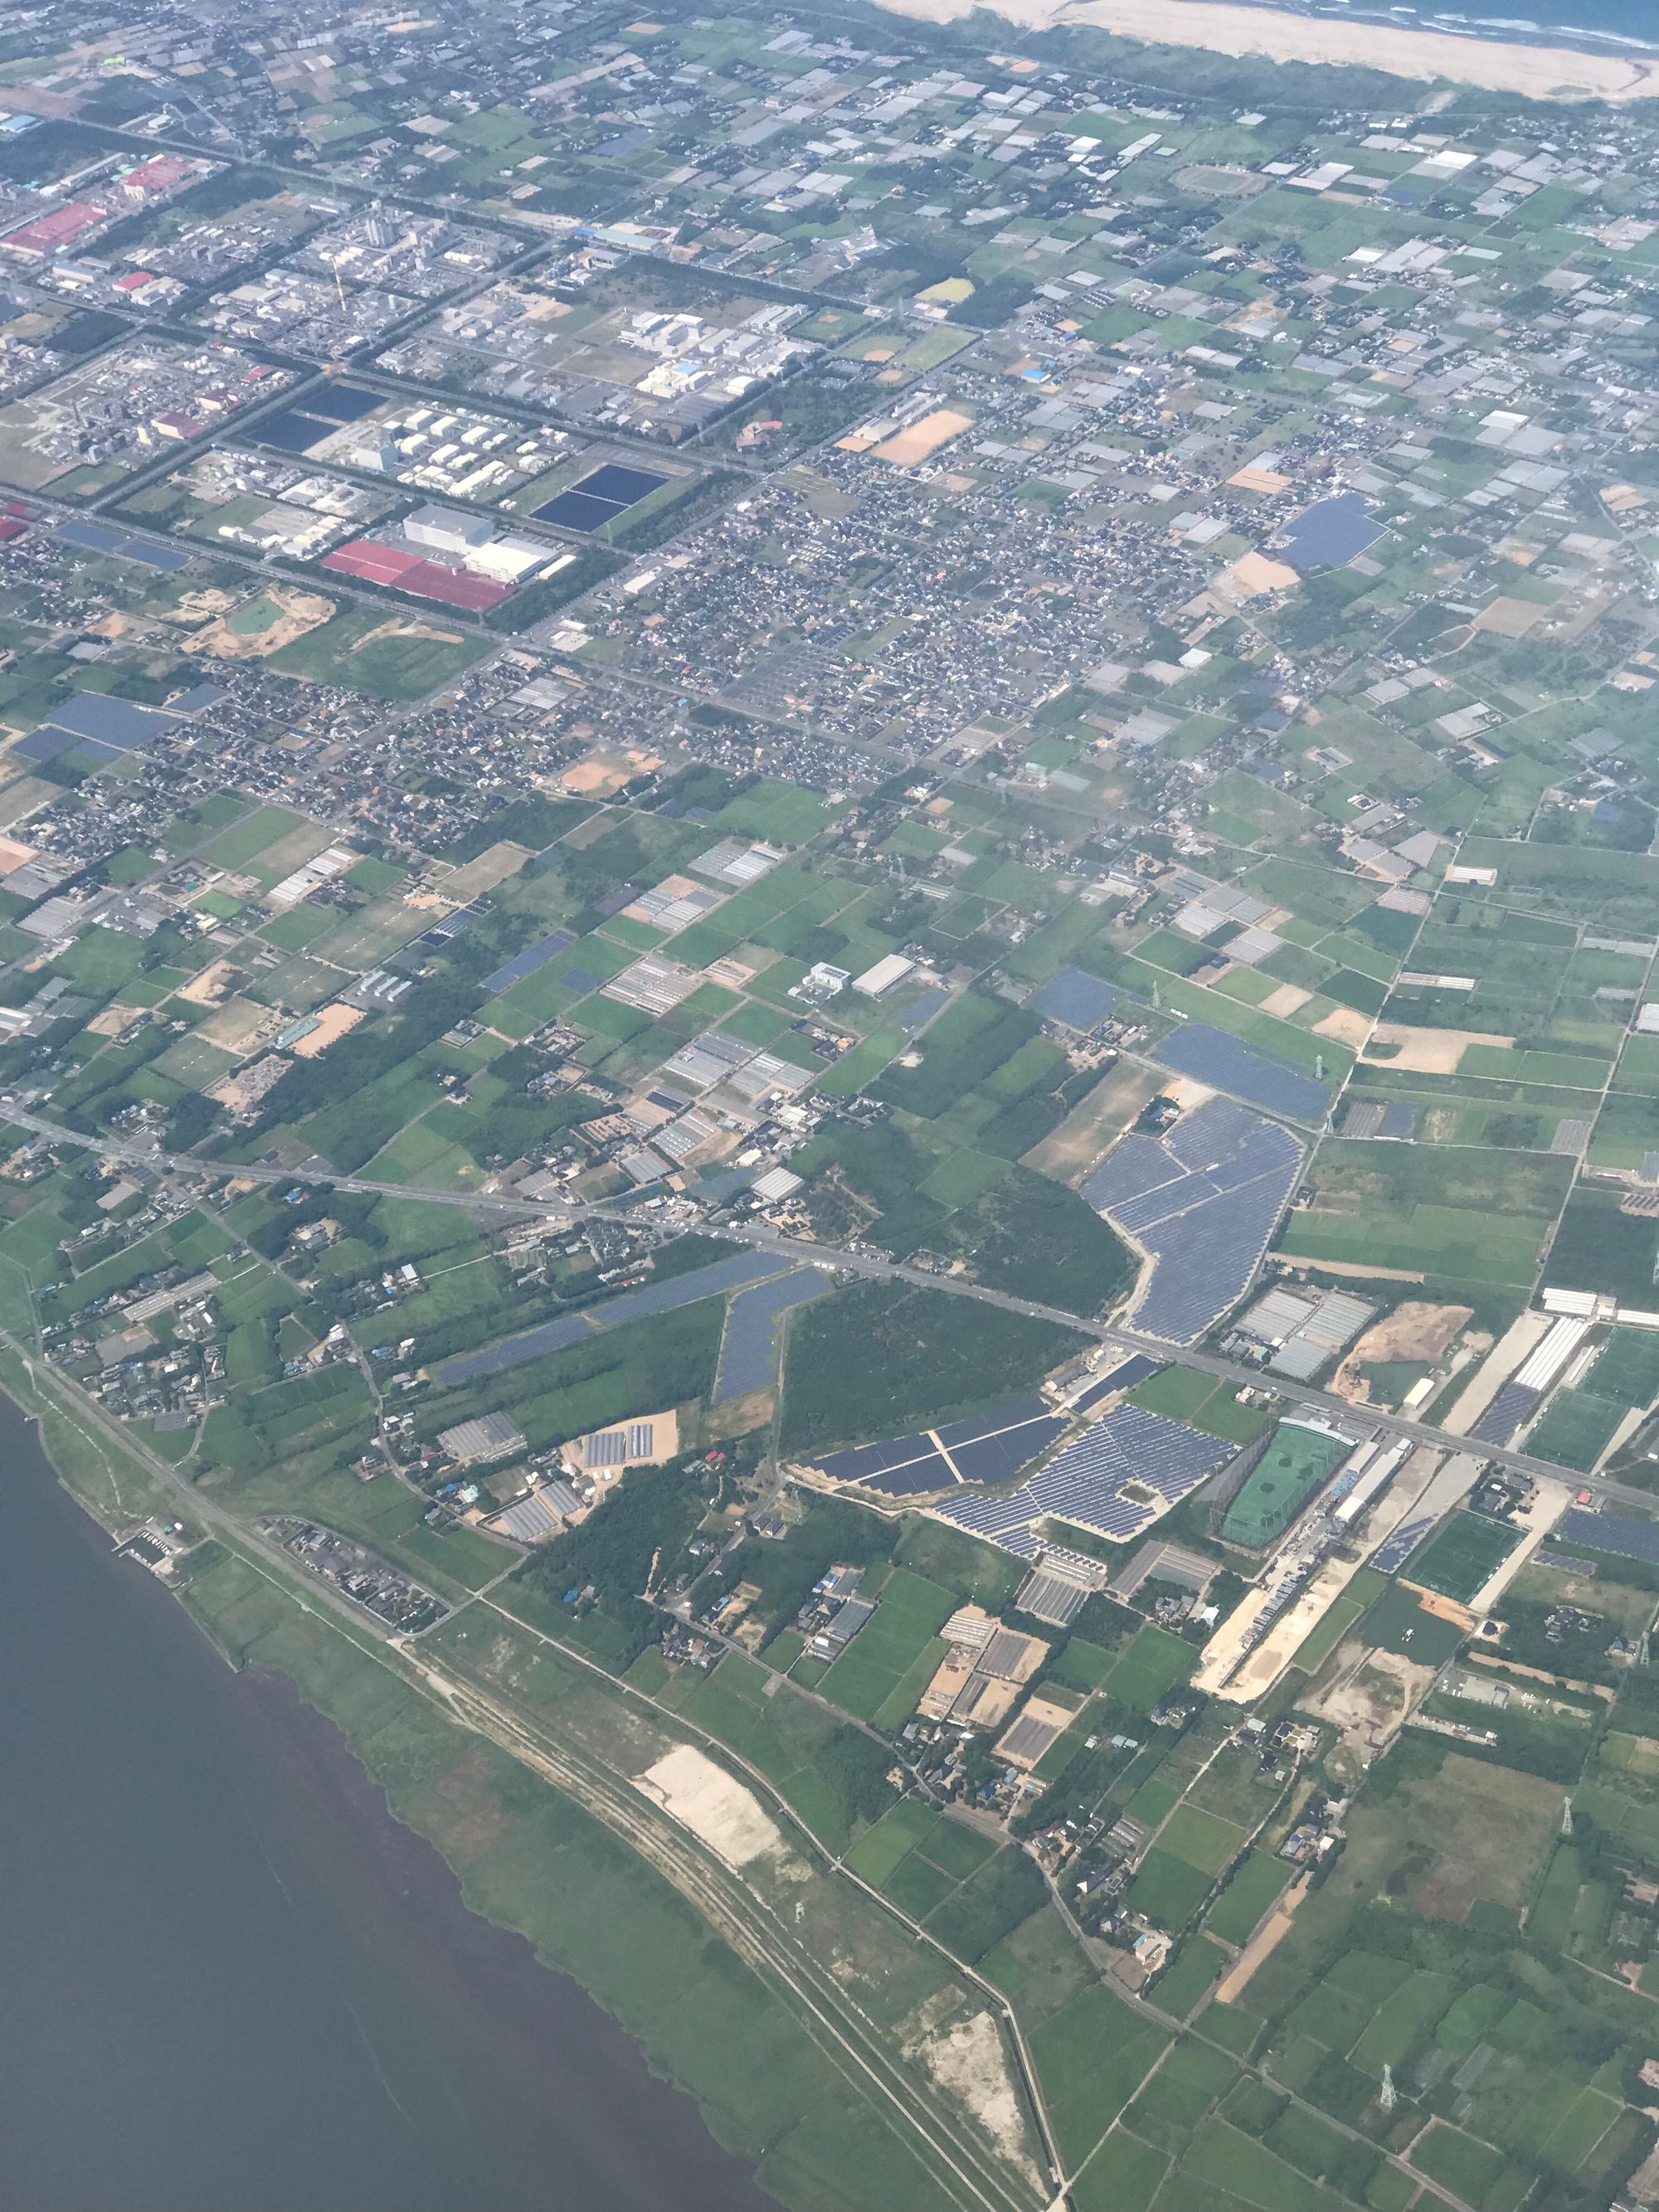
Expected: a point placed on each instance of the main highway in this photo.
(568, 1212)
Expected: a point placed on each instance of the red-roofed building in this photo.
(136, 282)
(51, 234)
(159, 175)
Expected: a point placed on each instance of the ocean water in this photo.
(1608, 25)
(1627, 22)
(229, 1981)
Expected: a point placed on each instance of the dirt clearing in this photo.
(1272, 1933)
(264, 625)
(1414, 1331)
(968, 2060)
(334, 1022)
(1426, 1052)
(1104, 1113)
(715, 1806)
(905, 448)
(1347, 1025)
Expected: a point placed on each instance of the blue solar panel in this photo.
(1075, 999)
(1392, 1553)
(1124, 1376)
(1606, 1532)
(1085, 1483)
(45, 744)
(633, 1305)
(1133, 1166)
(96, 539)
(860, 1461)
(294, 431)
(343, 403)
(112, 721)
(1017, 1417)
(999, 1459)
(989, 1424)
(532, 958)
(751, 1344)
(1514, 1403)
(916, 1475)
(1212, 1056)
(1203, 1200)
(514, 1351)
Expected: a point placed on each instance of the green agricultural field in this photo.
(1252, 1887)
(389, 655)
(1154, 1663)
(1167, 1889)
(1091, 2056)
(1202, 1839)
(895, 1651)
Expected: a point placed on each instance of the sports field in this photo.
(1462, 1555)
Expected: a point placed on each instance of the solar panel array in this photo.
(1137, 1368)
(1075, 999)
(1606, 1532)
(1088, 1482)
(749, 1349)
(1204, 1200)
(654, 1297)
(1392, 1553)
(1515, 1402)
(1212, 1056)
(989, 1447)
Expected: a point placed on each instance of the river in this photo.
(229, 1981)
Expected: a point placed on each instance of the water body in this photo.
(1607, 25)
(229, 1981)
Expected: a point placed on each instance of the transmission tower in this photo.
(1566, 1816)
(1390, 2095)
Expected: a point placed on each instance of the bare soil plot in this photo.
(1414, 1331)
(1072, 1149)
(715, 1806)
(1347, 1025)
(1426, 1052)
(273, 618)
(331, 1023)
(1367, 1695)
(920, 440)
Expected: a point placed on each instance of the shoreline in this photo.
(1245, 32)
(551, 2037)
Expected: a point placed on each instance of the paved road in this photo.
(570, 1212)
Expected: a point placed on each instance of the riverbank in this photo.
(1541, 72)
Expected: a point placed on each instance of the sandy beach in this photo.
(1492, 65)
